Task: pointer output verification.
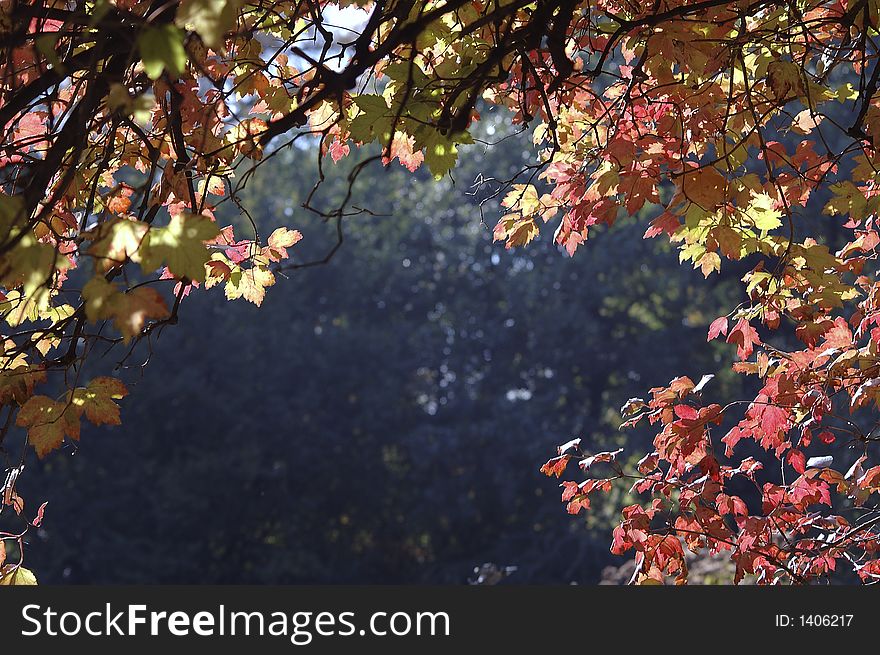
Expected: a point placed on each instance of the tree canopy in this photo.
(128, 125)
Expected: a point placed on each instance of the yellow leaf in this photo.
(279, 241)
(516, 230)
(762, 213)
(117, 240)
(17, 576)
(249, 284)
(32, 265)
(708, 263)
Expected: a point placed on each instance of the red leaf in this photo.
(796, 460)
(718, 326)
(666, 222)
(555, 466)
(827, 437)
(685, 412)
(39, 518)
(745, 337)
(870, 479)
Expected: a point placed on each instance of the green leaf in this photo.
(181, 246)
(848, 199)
(373, 119)
(161, 49)
(210, 18)
(441, 154)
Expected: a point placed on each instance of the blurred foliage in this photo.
(383, 416)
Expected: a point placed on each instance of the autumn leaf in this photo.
(441, 154)
(761, 210)
(847, 199)
(806, 121)
(116, 240)
(16, 576)
(704, 186)
(48, 422)
(129, 311)
(17, 382)
(30, 265)
(279, 241)
(96, 400)
(556, 466)
(718, 326)
(250, 284)
(785, 79)
(515, 230)
(745, 337)
(180, 246)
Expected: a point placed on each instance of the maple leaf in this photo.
(48, 422)
(338, 150)
(729, 241)
(372, 119)
(180, 245)
(403, 148)
(279, 241)
(669, 111)
(516, 230)
(17, 382)
(848, 199)
(161, 48)
(718, 326)
(30, 265)
(129, 311)
(96, 400)
(870, 479)
(806, 121)
(797, 460)
(588, 462)
(710, 262)
(704, 186)
(116, 240)
(556, 466)
(745, 337)
(761, 210)
(666, 223)
(249, 283)
(441, 154)
(785, 79)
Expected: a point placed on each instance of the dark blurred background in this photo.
(382, 419)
